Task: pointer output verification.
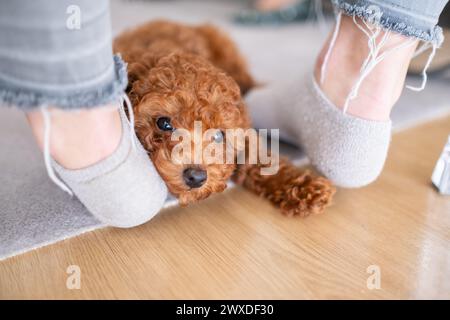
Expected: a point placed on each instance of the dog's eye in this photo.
(218, 136)
(164, 124)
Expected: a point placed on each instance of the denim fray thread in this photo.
(28, 99)
(434, 36)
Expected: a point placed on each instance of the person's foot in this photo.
(79, 138)
(382, 87)
(100, 160)
(348, 148)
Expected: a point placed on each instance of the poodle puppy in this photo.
(180, 74)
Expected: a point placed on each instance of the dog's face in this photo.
(173, 94)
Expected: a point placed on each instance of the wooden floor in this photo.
(235, 245)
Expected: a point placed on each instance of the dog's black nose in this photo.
(194, 177)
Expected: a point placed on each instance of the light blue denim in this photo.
(412, 18)
(43, 61)
(47, 58)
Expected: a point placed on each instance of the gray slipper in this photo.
(123, 190)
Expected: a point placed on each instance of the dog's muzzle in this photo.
(194, 177)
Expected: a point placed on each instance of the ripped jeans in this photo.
(415, 19)
(47, 57)
(58, 53)
(411, 18)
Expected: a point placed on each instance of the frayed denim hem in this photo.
(28, 100)
(434, 36)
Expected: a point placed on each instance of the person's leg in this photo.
(341, 115)
(79, 139)
(384, 83)
(56, 64)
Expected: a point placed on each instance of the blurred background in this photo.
(281, 38)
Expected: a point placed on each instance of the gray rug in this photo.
(35, 213)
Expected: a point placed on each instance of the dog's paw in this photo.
(304, 195)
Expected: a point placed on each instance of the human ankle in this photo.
(380, 89)
(79, 138)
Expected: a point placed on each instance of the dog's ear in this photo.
(245, 116)
(140, 62)
(137, 81)
(225, 55)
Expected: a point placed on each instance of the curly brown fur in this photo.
(295, 191)
(149, 42)
(196, 73)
